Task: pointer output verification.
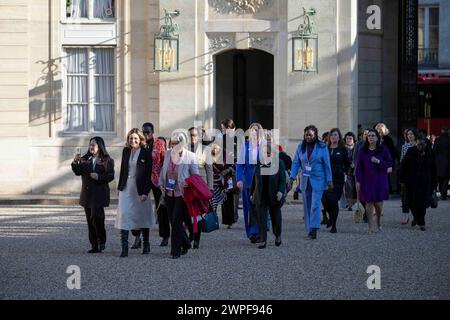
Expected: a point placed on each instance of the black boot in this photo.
(94, 249)
(196, 244)
(164, 242)
(145, 234)
(314, 233)
(124, 241)
(278, 241)
(137, 243)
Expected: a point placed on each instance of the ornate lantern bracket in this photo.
(305, 45)
(167, 44)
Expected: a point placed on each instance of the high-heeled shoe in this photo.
(405, 221)
(263, 245)
(278, 241)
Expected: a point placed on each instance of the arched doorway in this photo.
(244, 87)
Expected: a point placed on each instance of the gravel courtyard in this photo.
(38, 243)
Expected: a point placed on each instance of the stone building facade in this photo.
(51, 103)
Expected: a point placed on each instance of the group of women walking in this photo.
(335, 169)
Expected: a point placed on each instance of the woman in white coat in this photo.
(135, 209)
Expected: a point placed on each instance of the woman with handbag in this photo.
(372, 167)
(135, 210)
(204, 161)
(179, 164)
(418, 176)
(96, 169)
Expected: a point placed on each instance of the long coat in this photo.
(94, 193)
(418, 173)
(320, 163)
(245, 168)
(143, 171)
(277, 183)
(442, 153)
(373, 177)
(340, 164)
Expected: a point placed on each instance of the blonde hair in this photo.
(383, 128)
(256, 124)
(140, 135)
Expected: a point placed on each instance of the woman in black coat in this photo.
(418, 176)
(340, 164)
(268, 192)
(442, 153)
(96, 169)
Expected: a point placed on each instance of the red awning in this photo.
(433, 80)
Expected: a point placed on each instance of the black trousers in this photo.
(195, 236)
(332, 207)
(275, 217)
(228, 210)
(418, 213)
(162, 215)
(95, 218)
(443, 186)
(177, 211)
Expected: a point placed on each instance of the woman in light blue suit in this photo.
(313, 160)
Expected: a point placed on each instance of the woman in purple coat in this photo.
(373, 164)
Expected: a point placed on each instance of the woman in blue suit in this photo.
(248, 157)
(313, 159)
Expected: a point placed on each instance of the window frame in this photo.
(90, 15)
(90, 92)
(426, 25)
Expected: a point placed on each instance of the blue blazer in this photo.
(245, 168)
(320, 163)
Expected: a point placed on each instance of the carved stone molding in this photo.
(220, 42)
(262, 41)
(238, 6)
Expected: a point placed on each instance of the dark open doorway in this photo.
(244, 87)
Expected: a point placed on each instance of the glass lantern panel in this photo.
(166, 54)
(305, 54)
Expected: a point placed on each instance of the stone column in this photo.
(347, 42)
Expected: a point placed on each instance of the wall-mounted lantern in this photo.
(167, 45)
(305, 45)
